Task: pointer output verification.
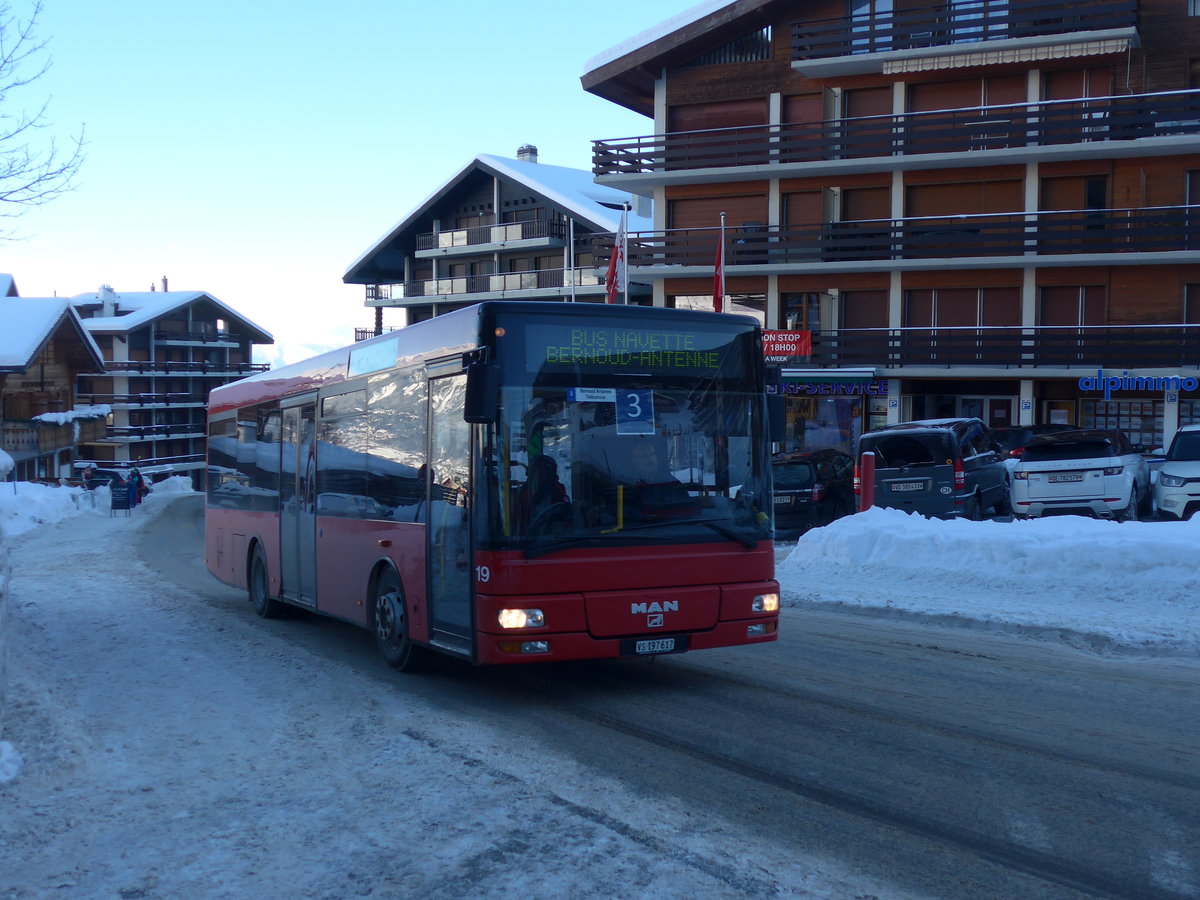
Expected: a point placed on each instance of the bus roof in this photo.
(450, 332)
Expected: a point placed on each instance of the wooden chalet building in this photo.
(498, 229)
(982, 208)
(44, 348)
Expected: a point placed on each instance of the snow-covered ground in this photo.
(151, 764)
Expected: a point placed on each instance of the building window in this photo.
(801, 312)
(1194, 7)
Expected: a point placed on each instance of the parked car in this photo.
(1086, 472)
(1177, 490)
(811, 488)
(942, 468)
(1011, 441)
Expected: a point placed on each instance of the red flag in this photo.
(719, 272)
(614, 281)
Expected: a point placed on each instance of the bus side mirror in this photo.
(776, 411)
(483, 393)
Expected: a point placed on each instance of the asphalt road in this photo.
(949, 763)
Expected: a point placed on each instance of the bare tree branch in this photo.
(33, 168)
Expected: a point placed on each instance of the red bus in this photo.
(510, 482)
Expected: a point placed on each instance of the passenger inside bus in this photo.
(541, 502)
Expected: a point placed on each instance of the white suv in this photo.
(1177, 491)
(1096, 472)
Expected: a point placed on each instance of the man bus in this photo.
(467, 485)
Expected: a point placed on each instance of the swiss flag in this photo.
(614, 281)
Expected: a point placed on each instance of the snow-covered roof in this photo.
(138, 308)
(27, 323)
(572, 190)
(654, 33)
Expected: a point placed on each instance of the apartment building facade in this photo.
(499, 228)
(163, 351)
(982, 208)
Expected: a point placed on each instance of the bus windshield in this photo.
(627, 434)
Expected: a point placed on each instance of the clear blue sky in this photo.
(255, 149)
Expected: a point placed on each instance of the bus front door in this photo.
(448, 526)
(297, 503)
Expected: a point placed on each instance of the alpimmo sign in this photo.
(1127, 382)
(786, 346)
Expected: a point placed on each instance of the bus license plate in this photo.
(908, 486)
(654, 646)
(1064, 477)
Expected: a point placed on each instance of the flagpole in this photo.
(571, 254)
(625, 247)
(719, 274)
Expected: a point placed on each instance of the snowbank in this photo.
(1132, 584)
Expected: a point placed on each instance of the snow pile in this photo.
(99, 411)
(24, 506)
(1129, 585)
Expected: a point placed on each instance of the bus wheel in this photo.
(391, 624)
(260, 593)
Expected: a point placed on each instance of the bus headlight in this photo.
(521, 618)
(765, 603)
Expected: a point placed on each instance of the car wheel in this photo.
(1130, 512)
(1146, 509)
(975, 508)
(1003, 506)
(259, 588)
(390, 624)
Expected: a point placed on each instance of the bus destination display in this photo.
(613, 349)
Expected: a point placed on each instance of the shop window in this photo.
(1141, 420)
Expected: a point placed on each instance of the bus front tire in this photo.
(259, 588)
(390, 623)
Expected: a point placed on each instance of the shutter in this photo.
(867, 102)
(864, 309)
(804, 108)
(804, 208)
(705, 212)
(728, 114)
(1001, 306)
(957, 306)
(859, 204)
(945, 95)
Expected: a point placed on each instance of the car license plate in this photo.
(654, 646)
(907, 485)
(1063, 477)
(783, 500)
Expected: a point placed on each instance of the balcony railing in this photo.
(492, 234)
(149, 367)
(940, 25)
(1157, 229)
(196, 337)
(1085, 347)
(1050, 123)
(365, 334)
(155, 432)
(143, 399)
(147, 465)
(503, 282)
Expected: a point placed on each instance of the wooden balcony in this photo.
(1019, 236)
(140, 400)
(1054, 123)
(148, 367)
(543, 232)
(551, 282)
(922, 31)
(1092, 347)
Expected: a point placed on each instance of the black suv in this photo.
(811, 488)
(943, 468)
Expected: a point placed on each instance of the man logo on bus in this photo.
(655, 607)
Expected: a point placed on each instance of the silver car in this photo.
(1177, 490)
(1093, 472)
